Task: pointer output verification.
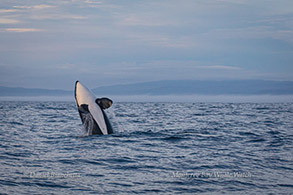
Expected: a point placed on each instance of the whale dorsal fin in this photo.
(104, 102)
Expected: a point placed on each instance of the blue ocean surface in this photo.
(157, 148)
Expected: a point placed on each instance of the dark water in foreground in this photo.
(158, 148)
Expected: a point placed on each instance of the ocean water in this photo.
(157, 148)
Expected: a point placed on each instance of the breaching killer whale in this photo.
(91, 111)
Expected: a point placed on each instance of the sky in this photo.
(51, 44)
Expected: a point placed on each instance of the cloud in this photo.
(42, 6)
(8, 21)
(93, 2)
(189, 65)
(219, 67)
(132, 41)
(44, 12)
(255, 32)
(100, 4)
(140, 20)
(169, 69)
(21, 30)
(8, 10)
(54, 16)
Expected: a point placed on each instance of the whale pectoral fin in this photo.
(104, 103)
(84, 108)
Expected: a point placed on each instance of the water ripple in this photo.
(157, 148)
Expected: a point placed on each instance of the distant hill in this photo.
(187, 87)
(19, 91)
(171, 87)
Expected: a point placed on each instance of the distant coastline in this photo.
(166, 98)
(170, 88)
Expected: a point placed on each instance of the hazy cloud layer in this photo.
(53, 43)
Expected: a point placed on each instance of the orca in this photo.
(91, 110)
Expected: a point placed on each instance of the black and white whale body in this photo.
(91, 111)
